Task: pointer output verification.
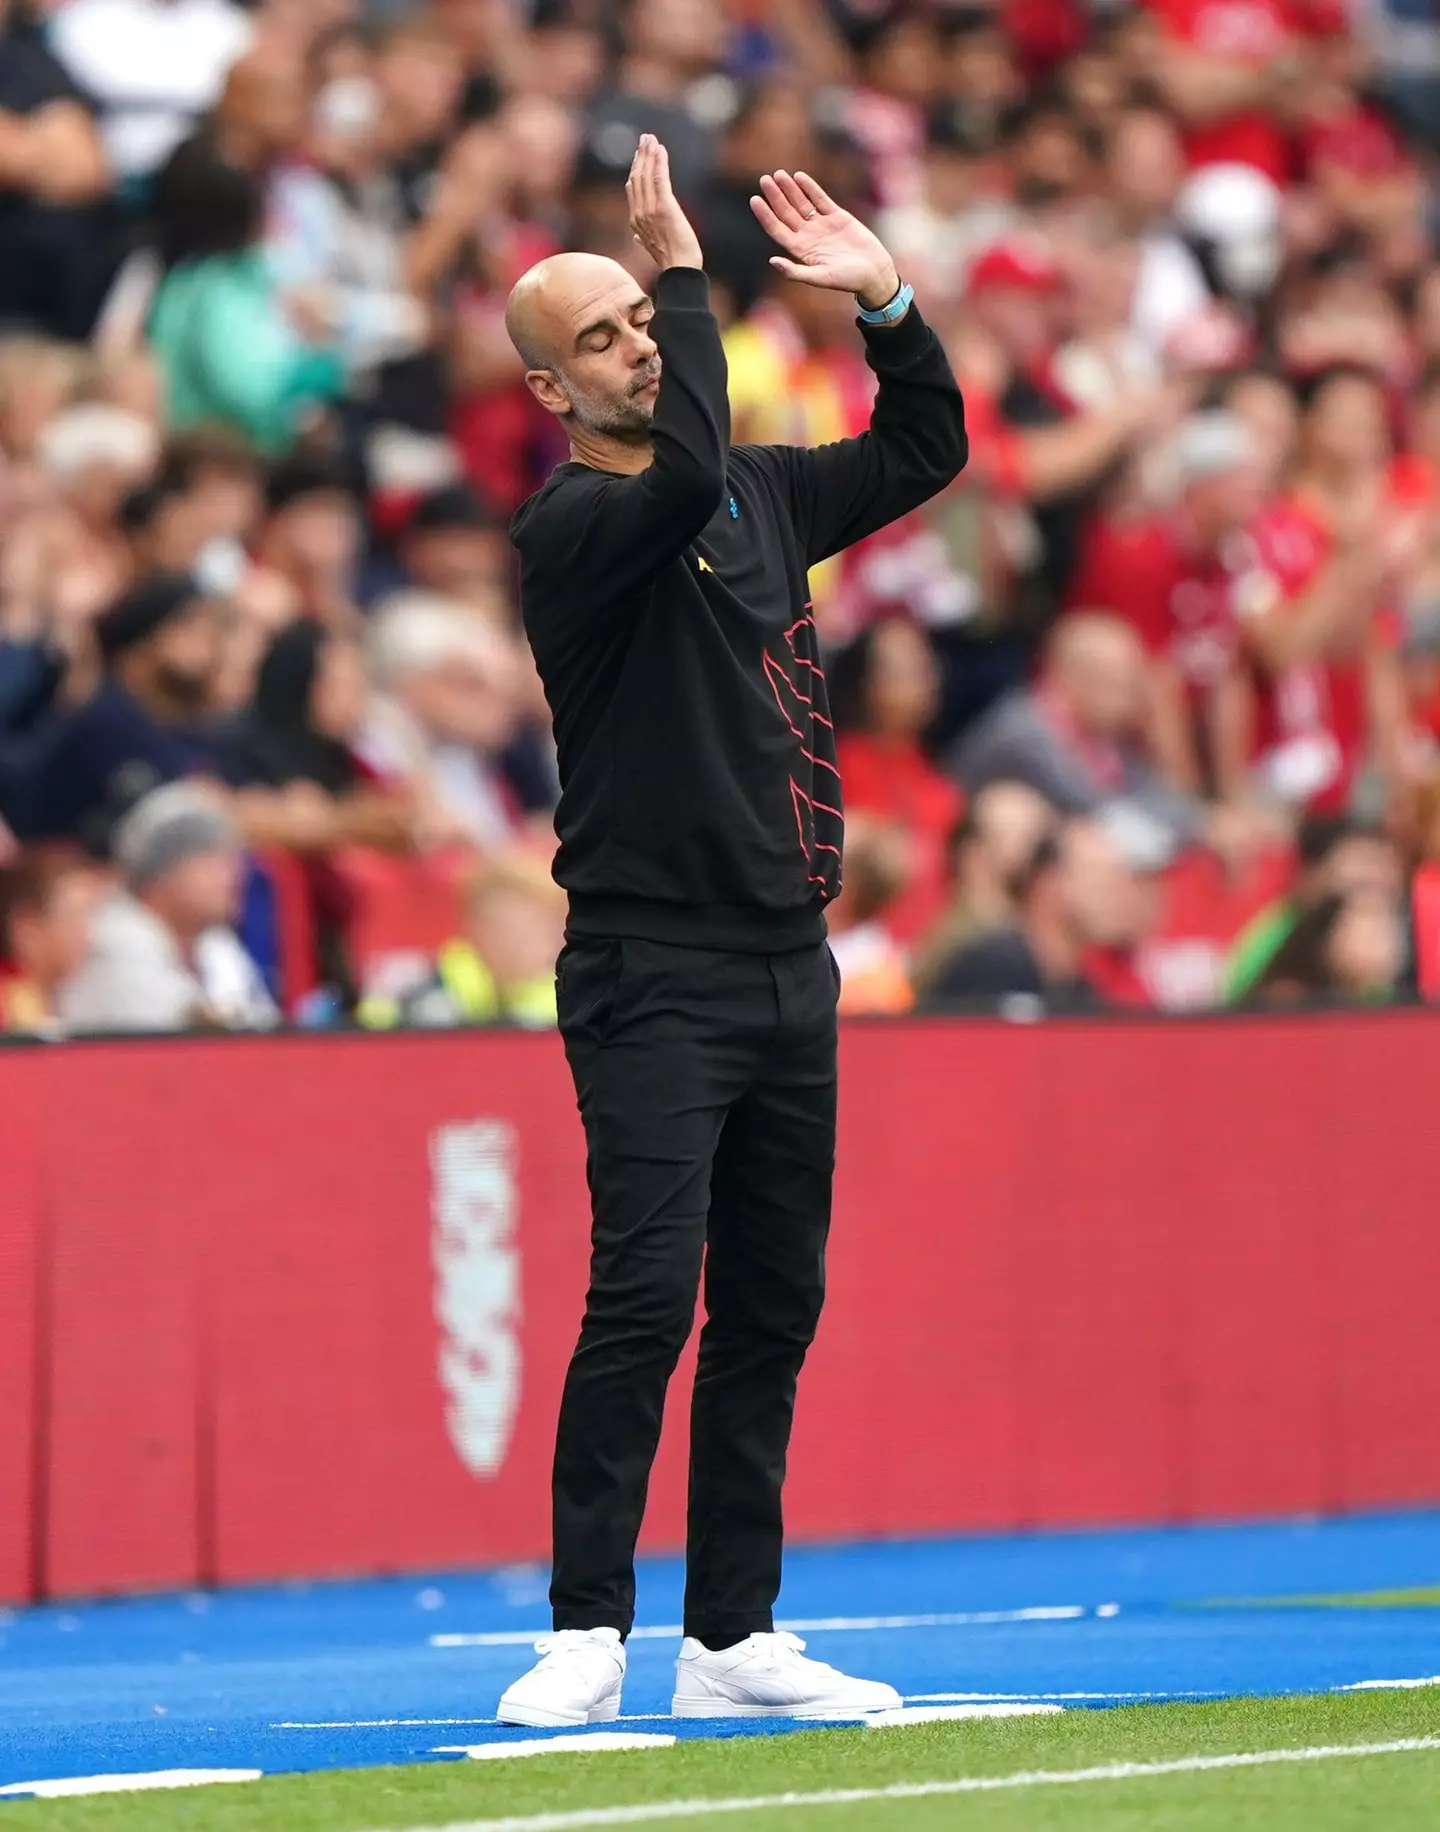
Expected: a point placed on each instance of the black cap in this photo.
(145, 608)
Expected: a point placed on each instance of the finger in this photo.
(795, 197)
(664, 190)
(796, 270)
(781, 204)
(771, 223)
(821, 201)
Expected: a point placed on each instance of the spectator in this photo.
(52, 176)
(452, 546)
(47, 898)
(1345, 949)
(874, 981)
(447, 709)
(1145, 166)
(1075, 893)
(666, 46)
(297, 736)
(962, 208)
(1319, 608)
(152, 67)
(163, 954)
(1337, 858)
(312, 540)
(159, 646)
(1176, 576)
(232, 347)
(1080, 738)
(884, 694)
(991, 849)
(502, 970)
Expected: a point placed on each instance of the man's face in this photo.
(1346, 426)
(1145, 166)
(202, 892)
(457, 562)
(1022, 320)
(185, 653)
(51, 944)
(606, 372)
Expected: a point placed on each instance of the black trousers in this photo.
(706, 1083)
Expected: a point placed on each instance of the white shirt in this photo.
(152, 67)
(136, 978)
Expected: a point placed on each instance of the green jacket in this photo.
(462, 990)
(229, 353)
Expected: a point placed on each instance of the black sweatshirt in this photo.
(670, 620)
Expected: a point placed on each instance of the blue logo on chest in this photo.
(734, 510)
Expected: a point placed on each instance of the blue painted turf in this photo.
(296, 1677)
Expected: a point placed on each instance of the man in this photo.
(1078, 894)
(1318, 609)
(163, 955)
(160, 646)
(1175, 575)
(663, 589)
(52, 177)
(448, 706)
(1079, 737)
(47, 898)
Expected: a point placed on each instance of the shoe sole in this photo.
(726, 1708)
(536, 1717)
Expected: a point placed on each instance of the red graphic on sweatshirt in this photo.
(801, 714)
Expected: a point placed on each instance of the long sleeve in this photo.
(623, 530)
(916, 444)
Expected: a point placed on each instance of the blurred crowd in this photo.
(271, 743)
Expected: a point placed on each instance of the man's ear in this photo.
(544, 384)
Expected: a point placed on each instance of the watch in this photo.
(892, 313)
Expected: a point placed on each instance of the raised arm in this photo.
(916, 443)
(600, 363)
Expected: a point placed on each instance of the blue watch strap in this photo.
(888, 314)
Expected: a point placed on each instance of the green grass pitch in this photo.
(1396, 1791)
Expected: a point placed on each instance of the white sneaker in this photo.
(769, 1676)
(576, 1681)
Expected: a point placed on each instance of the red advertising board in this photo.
(305, 1303)
(21, 1297)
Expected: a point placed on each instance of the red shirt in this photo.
(1360, 142)
(1182, 603)
(1312, 728)
(1247, 31)
(896, 782)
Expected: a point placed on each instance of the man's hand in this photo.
(660, 225)
(826, 245)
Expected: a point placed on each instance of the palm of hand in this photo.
(824, 244)
(837, 251)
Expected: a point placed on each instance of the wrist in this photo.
(878, 291)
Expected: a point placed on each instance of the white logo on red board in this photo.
(474, 1203)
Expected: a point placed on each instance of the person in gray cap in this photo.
(163, 956)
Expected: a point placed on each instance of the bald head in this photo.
(580, 323)
(1097, 663)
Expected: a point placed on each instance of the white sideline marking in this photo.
(1026, 1698)
(1389, 1685)
(935, 1714)
(128, 1784)
(919, 1790)
(817, 1625)
(637, 1717)
(590, 1742)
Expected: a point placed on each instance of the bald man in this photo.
(663, 586)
